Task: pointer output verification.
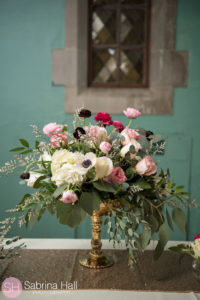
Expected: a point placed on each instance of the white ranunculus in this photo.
(103, 166)
(66, 167)
(32, 179)
(133, 142)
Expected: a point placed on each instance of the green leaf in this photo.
(37, 183)
(17, 149)
(90, 201)
(23, 200)
(122, 225)
(179, 188)
(68, 214)
(104, 186)
(130, 231)
(27, 151)
(37, 143)
(59, 190)
(130, 173)
(24, 143)
(143, 184)
(169, 220)
(179, 218)
(163, 239)
(153, 222)
(145, 237)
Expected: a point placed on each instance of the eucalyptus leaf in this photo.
(169, 220)
(179, 218)
(142, 184)
(163, 239)
(90, 201)
(68, 214)
(104, 186)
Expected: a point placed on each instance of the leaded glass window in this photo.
(118, 43)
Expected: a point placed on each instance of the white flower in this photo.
(133, 142)
(103, 166)
(196, 248)
(67, 167)
(45, 156)
(32, 179)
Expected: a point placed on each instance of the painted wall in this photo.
(28, 31)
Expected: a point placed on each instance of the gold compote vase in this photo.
(96, 259)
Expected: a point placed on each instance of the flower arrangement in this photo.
(191, 249)
(73, 173)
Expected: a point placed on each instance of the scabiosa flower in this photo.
(148, 134)
(78, 132)
(85, 113)
(104, 118)
(25, 175)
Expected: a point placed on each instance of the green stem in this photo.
(130, 122)
(35, 163)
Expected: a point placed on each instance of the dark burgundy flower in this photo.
(25, 176)
(104, 118)
(85, 113)
(148, 134)
(78, 132)
(119, 126)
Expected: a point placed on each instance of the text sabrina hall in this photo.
(50, 285)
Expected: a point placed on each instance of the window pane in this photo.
(104, 66)
(131, 66)
(132, 26)
(105, 1)
(104, 26)
(133, 1)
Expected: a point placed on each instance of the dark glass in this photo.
(133, 1)
(105, 1)
(104, 68)
(132, 26)
(104, 26)
(131, 66)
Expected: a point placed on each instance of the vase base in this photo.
(100, 263)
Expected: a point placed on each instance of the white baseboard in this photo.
(81, 244)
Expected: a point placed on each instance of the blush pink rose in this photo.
(117, 175)
(69, 197)
(197, 237)
(105, 147)
(146, 166)
(119, 126)
(59, 140)
(129, 135)
(132, 113)
(52, 128)
(96, 133)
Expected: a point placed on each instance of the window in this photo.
(118, 43)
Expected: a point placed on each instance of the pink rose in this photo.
(52, 128)
(117, 175)
(129, 134)
(197, 237)
(105, 147)
(146, 166)
(119, 126)
(69, 197)
(132, 113)
(59, 140)
(104, 118)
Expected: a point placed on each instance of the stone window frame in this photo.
(168, 67)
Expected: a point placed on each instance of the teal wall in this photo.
(29, 29)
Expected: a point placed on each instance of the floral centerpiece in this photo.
(191, 249)
(96, 170)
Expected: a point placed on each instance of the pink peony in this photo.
(59, 140)
(105, 147)
(96, 133)
(146, 166)
(117, 175)
(197, 237)
(119, 126)
(129, 134)
(52, 128)
(104, 118)
(132, 113)
(69, 197)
